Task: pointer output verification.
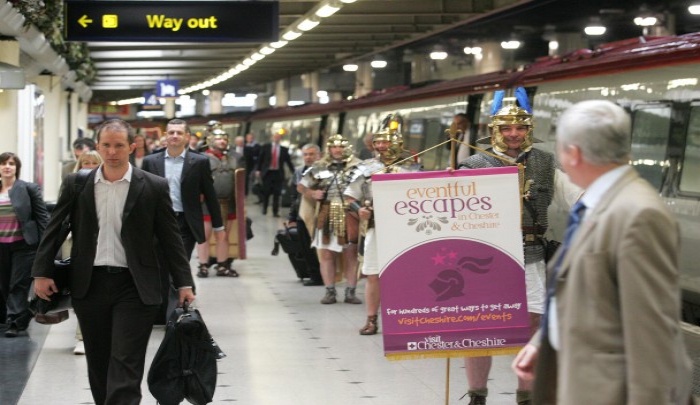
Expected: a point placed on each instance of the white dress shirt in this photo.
(110, 198)
(173, 173)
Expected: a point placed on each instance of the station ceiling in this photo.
(363, 29)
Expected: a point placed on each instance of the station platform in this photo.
(283, 347)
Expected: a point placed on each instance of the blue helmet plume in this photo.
(497, 101)
(521, 96)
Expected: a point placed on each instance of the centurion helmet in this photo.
(510, 114)
(339, 140)
(391, 132)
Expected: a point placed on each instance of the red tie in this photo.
(273, 166)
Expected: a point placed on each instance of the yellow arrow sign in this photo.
(84, 21)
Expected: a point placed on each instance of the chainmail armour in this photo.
(539, 169)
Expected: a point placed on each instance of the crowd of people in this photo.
(619, 254)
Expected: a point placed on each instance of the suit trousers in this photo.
(116, 326)
(16, 261)
(272, 186)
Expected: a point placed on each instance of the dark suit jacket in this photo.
(195, 180)
(30, 210)
(251, 154)
(148, 216)
(266, 158)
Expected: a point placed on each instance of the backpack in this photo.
(185, 365)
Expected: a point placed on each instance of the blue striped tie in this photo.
(575, 217)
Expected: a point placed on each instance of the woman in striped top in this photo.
(23, 218)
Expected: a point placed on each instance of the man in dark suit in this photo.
(251, 153)
(270, 169)
(189, 176)
(115, 284)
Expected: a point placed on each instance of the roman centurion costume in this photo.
(394, 160)
(539, 175)
(333, 230)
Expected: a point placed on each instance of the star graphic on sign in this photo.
(452, 255)
(438, 259)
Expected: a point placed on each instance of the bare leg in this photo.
(372, 295)
(327, 267)
(478, 369)
(222, 243)
(350, 256)
(203, 248)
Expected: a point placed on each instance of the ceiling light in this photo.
(205, 92)
(322, 93)
(512, 44)
(266, 50)
(350, 67)
(469, 50)
(248, 62)
(278, 44)
(291, 35)
(307, 25)
(595, 27)
(347, 1)
(694, 9)
(645, 21)
(256, 56)
(327, 11)
(378, 64)
(553, 45)
(438, 55)
(594, 30)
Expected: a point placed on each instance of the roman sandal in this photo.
(203, 270)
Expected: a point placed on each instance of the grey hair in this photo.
(311, 146)
(600, 128)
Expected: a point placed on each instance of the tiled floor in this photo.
(283, 347)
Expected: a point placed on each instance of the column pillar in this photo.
(9, 53)
(201, 102)
(420, 68)
(310, 81)
(569, 42)
(491, 59)
(169, 108)
(281, 93)
(262, 102)
(57, 140)
(215, 97)
(364, 82)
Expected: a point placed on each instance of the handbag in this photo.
(56, 310)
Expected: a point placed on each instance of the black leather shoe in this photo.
(12, 331)
(311, 283)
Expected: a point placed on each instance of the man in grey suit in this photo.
(116, 277)
(611, 331)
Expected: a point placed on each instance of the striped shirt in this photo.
(10, 230)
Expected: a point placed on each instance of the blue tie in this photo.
(575, 217)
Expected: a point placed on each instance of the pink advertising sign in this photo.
(450, 249)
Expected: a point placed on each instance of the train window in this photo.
(690, 181)
(650, 131)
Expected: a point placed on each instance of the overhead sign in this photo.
(167, 88)
(172, 21)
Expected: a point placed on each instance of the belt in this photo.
(111, 269)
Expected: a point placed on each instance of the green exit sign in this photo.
(172, 21)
